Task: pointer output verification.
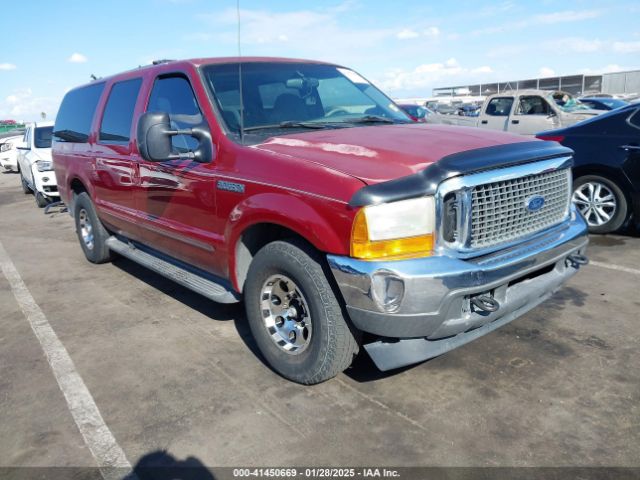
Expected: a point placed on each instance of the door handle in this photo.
(515, 121)
(630, 147)
(484, 122)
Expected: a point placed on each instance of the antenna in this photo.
(240, 75)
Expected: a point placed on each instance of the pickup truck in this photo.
(526, 112)
(302, 190)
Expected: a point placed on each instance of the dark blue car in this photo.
(607, 167)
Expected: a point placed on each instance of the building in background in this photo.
(618, 83)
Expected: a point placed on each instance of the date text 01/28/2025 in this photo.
(316, 473)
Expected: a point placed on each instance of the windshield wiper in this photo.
(370, 119)
(294, 124)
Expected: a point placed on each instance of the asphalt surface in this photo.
(175, 373)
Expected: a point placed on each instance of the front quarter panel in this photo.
(324, 223)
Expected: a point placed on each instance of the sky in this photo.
(405, 47)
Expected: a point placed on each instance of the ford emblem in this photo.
(534, 203)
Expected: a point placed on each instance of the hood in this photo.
(582, 114)
(42, 154)
(376, 154)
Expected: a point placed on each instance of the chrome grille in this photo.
(499, 213)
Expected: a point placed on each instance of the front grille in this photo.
(499, 212)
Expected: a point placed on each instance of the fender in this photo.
(309, 218)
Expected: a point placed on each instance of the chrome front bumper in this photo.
(430, 300)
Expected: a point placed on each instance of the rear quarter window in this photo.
(73, 122)
(118, 112)
(634, 120)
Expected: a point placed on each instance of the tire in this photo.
(25, 186)
(91, 233)
(591, 191)
(330, 346)
(41, 200)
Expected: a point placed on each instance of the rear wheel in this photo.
(601, 202)
(91, 233)
(294, 314)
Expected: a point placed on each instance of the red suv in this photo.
(301, 188)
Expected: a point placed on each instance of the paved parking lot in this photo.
(171, 371)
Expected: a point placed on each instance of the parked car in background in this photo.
(417, 113)
(9, 152)
(469, 110)
(607, 167)
(328, 222)
(35, 164)
(526, 112)
(603, 103)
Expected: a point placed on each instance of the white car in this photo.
(9, 153)
(35, 164)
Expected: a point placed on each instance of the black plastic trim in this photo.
(426, 182)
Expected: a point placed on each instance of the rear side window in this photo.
(500, 106)
(118, 113)
(73, 122)
(174, 95)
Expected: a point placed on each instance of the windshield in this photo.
(297, 94)
(42, 137)
(568, 103)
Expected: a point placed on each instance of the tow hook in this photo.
(485, 303)
(576, 260)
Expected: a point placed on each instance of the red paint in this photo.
(301, 181)
(551, 138)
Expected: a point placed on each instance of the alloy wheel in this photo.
(596, 202)
(286, 315)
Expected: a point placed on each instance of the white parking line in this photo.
(612, 266)
(109, 456)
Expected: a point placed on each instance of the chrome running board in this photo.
(207, 287)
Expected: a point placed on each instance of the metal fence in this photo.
(612, 83)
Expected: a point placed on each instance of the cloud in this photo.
(541, 19)
(424, 77)
(575, 44)
(483, 69)
(406, 34)
(546, 72)
(21, 104)
(7, 66)
(565, 16)
(432, 32)
(313, 33)
(77, 58)
(626, 47)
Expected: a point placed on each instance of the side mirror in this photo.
(22, 146)
(154, 139)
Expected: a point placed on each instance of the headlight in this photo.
(6, 146)
(44, 165)
(403, 229)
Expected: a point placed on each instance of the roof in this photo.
(198, 62)
(529, 91)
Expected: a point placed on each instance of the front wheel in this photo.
(294, 315)
(41, 200)
(25, 185)
(601, 202)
